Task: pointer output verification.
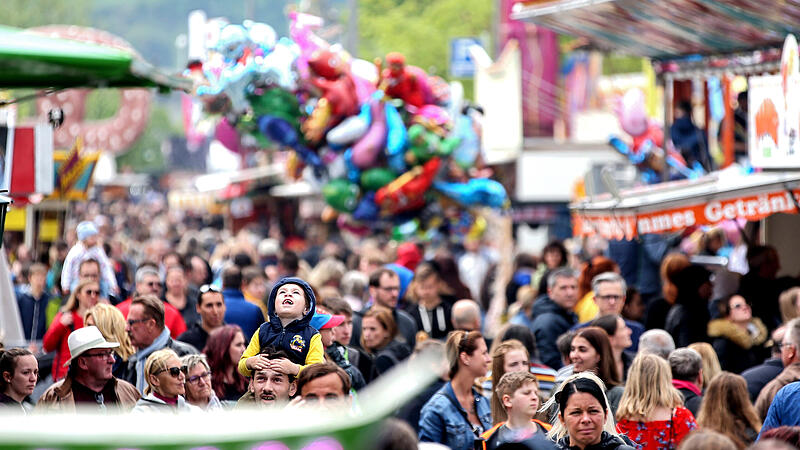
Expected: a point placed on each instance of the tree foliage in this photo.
(421, 29)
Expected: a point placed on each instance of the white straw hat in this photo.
(84, 339)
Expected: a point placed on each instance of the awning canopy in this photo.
(674, 206)
(666, 29)
(32, 60)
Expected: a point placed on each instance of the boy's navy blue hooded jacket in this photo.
(298, 339)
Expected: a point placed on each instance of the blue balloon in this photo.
(478, 191)
(282, 132)
(469, 146)
(367, 210)
(396, 136)
(353, 172)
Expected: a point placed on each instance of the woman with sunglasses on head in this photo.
(224, 349)
(70, 318)
(19, 372)
(738, 337)
(584, 417)
(198, 383)
(165, 385)
(457, 414)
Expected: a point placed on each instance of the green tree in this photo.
(422, 30)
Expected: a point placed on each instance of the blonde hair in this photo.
(72, 301)
(526, 295)
(157, 362)
(111, 323)
(711, 367)
(788, 304)
(649, 386)
(559, 430)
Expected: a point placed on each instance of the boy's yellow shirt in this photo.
(316, 353)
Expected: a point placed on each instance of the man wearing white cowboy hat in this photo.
(89, 381)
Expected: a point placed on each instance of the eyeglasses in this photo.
(174, 372)
(133, 322)
(610, 297)
(194, 379)
(154, 284)
(92, 292)
(104, 354)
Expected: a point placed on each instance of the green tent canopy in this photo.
(32, 60)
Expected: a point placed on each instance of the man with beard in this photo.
(269, 387)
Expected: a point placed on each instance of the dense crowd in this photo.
(143, 309)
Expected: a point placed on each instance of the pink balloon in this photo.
(632, 113)
(364, 89)
(367, 149)
(227, 135)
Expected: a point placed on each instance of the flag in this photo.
(29, 151)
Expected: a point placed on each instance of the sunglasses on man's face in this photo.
(174, 372)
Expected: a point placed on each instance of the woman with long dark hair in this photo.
(224, 349)
(590, 351)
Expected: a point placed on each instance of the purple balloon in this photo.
(227, 135)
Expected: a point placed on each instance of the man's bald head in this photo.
(466, 315)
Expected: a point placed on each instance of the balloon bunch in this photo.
(647, 151)
(387, 144)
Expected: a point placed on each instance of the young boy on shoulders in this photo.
(291, 306)
(519, 394)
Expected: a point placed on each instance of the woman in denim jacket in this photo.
(457, 415)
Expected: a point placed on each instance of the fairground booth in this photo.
(700, 47)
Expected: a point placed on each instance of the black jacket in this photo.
(607, 442)
(195, 336)
(549, 322)
(687, 325)
(757, 377)
(737, 349)
(691, 400)
(440, 325)
(388, 357)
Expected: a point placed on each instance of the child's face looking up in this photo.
(290, 301)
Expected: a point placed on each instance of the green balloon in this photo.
(447, 145)
(341, 194)
(374, 179)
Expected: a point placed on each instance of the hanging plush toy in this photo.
(407, 83)
(339, 99)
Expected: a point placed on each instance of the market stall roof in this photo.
(673, 206)
(666, 29)
(29, 59)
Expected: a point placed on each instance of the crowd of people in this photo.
(141, 309)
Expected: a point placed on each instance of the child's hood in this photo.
(312, 300)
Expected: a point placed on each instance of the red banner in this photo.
(628, 225)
